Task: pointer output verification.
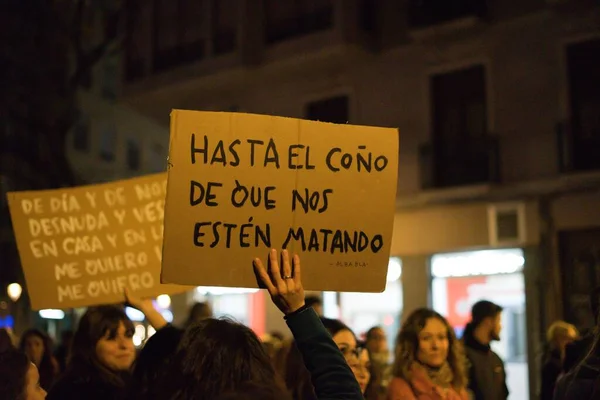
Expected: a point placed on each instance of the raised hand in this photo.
(282, 280)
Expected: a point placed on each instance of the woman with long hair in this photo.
(19, 377)
(298, 379)
(38, 347)
(102, 353)
(216, 356)
(430, 362)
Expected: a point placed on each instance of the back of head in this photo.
(154, 360)
(484, 309)
(216, 356)
(253, 391)
(13, 374)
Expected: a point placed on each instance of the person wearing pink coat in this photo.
(430, 363)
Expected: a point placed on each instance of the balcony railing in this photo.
(577, 148)
(464, 162)
(424, 13)
(299, 25)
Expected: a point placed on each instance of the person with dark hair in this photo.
(315, 303)
(328, 360)
(62, 351)
(5, 341)
(153, 362)
(19, 378)
(253, 391)
(215, 356)
(487, 376)
(430, 361)
(577, 350)
(297, 377)
(102, 353)
(38, 347)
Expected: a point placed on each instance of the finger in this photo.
(297, 272)
(275, 269)
(263, 275)
(287, 268)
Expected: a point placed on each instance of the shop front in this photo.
(458, 280)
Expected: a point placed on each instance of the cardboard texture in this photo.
(82, 246)
(343, 236)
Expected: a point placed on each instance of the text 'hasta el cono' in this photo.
(297, 155)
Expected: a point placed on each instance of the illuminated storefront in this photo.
(461, 279)
(361, 311)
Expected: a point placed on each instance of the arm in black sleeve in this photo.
(331, 376)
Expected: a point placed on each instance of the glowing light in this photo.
(474, 263)
(137, 341)
(167, 315)
(52, 314)
(394, 269)
(134, 315)
(151, 331)
(163, 301)
(204, 290)
(14, 291)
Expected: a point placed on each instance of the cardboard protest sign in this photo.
(83, 246)
(240, 184)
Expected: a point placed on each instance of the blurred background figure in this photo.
(198, 312)
(272, 344)
(577, 350)
(316, 303)
(38, 347)
(558, 336)
(19, 379)
(63, 349)
(6, 342)
(379, 354)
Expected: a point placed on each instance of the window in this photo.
(334, 109)
(293, 18)
(108, 141)
(158, 159)
(135, 37)
(178, 33)
(133, 155)
(110, 78)
(81, 133)
(583, 60)
(225, 24)
(461, 152)
(423, 13)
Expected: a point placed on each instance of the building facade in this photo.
(499, 174)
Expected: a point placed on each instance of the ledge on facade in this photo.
(445, 28)
(558, 185)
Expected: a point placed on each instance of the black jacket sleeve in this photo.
(331, 376)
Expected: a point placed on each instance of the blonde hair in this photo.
(407, 345)
(559, 329)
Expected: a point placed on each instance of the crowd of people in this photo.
(221, 359)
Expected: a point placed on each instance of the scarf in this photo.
(442, 376)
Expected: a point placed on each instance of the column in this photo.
(415, 283)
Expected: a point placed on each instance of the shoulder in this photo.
(399, 388)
